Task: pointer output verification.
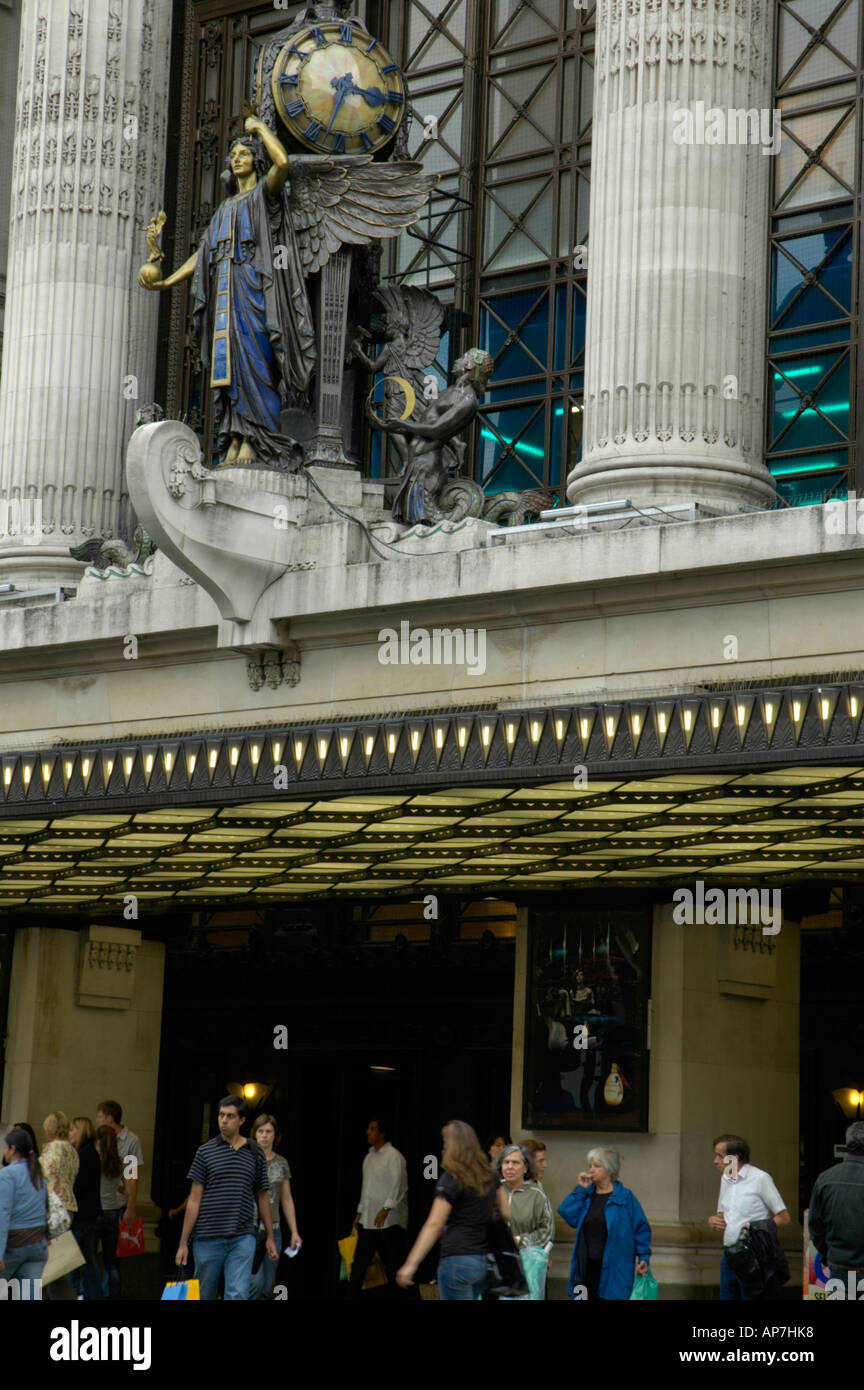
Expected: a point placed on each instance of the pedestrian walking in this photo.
(112, 1195)
(465, 1199)
(119, 1202)
(382, 1212)
(23, 1212)
(59, 1160)
(836, 1217)
(85, 1222)
(531, 1222)
(228, 1177)
(613, 1238)
(748, 1197)
(265, 1133)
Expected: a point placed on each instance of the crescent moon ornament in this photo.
(407, 390)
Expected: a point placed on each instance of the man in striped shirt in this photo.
(229, 1178)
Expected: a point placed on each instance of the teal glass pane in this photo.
(807, 463)
(516, 391)
(810, 428)
(791, 308)
(526, 426)
(511, 477)
(815, 338)
(561, 328)
(533, 335)
(580, 310)
(810, 492)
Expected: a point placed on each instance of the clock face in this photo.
(338, 91)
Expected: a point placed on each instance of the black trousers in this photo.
(391, 1246)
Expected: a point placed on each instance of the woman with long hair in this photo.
(265, 1133)
(82, 1136)
(466, 1195)
(111, 1181)
(23, 1212)
(58, 1160)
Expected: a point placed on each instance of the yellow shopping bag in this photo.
(375, 1275)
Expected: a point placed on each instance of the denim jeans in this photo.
(461, 1278)
(107, 1231)
(732, 1290)
(264, 1277)
(27, 1262)
(86, 1279)
(232, 1255)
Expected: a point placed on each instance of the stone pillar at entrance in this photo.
(677, 254)
(79, 336)
(66, 1055)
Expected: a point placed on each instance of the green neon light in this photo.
(823, 410)
(788, 469)
(524, 448)
(800, 371)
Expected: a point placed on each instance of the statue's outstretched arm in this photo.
(186, 271)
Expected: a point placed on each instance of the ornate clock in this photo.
(338, 91)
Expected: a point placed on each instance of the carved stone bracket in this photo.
(106, 975)
(274, 667)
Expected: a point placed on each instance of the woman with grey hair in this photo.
(613, 1238)
(531, 1222)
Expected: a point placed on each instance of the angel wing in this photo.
(337, 203)
(424, 315)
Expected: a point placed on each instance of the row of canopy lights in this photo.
(306, 752)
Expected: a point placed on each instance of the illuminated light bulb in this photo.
(536, 729)
(213, 758)
(824, 706)
(369, 745)
(255, 754)
(559, 729)
(688, 719)
(168, 759)
(299, 749)
(46, 772)
(796, 710)
(439, 738)
(510, 733)
(715, 717)
(234, 755)
(85, 768)
(637, 724)
(249, 1091)
(343, 747)
(277, 750)
(661, 720)
(191, 760)
(462, 735)
(7, 775)
(610, 725)
(67, 771)
(323, 745)
(415, 740)
(148, 763)
(740, 713)
(391, 743)
(584, 726)
(27, 774)
(486, 734)
(109, 768)
(127, 766)
(853, 706)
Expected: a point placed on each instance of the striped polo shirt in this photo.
(232, 1179)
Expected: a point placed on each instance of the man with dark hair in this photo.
(382, 1212)
(747, 1196)
(229, 1178)
(118, 1201)
(836, 1216)
(537, 1150)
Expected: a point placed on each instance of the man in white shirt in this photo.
(382, 1212)
(747, 1194)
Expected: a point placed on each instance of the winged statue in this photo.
(411, 341)
(281, 221)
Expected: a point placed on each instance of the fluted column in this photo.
(674, 391)
(80, 337)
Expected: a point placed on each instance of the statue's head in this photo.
(246, 154)
(477, 365)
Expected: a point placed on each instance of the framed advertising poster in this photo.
(586, 1025)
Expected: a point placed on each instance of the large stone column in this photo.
(79, 340)
(678, 254)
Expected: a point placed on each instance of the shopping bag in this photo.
(374, 1276)
(130, 1239)
(64, 1255)
(189, 1291)
(59, 1219)
(644, 1286)
(534, 1261)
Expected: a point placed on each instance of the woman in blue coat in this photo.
(613, 1238)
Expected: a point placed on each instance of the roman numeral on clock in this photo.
(366, 142)
(346, 33)
(339, 144)
(296, 108)
(386, 124)
(290, 79)
(318, 37)
(391, 67)
(396, 98)
(313, 130)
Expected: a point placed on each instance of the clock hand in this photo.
(342, 86)
(374, 95)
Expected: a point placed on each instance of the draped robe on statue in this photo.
(254, 322)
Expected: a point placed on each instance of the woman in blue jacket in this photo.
(613, 1238)
(23, 1213)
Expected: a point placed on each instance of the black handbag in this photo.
(505, 1277)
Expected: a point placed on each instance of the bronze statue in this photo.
(411, 341)
(434, 455)
(249, 275)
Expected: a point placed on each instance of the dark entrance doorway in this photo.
(419, 1029)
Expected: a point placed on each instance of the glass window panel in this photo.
(522, 427)
(532, 88)
(838, 213)
(565, 214)
(809, 492)
(531, 202)
(436, 51)
(815, 12)
(837, 91)
(526, 315)
(583, 207)
(517, 21)
(580, 311)
(843, 34)
(515, 390)
(816, 187)
(818, 338)
(820, 65)
(794, 38)
(586, 95)
(811, 428)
